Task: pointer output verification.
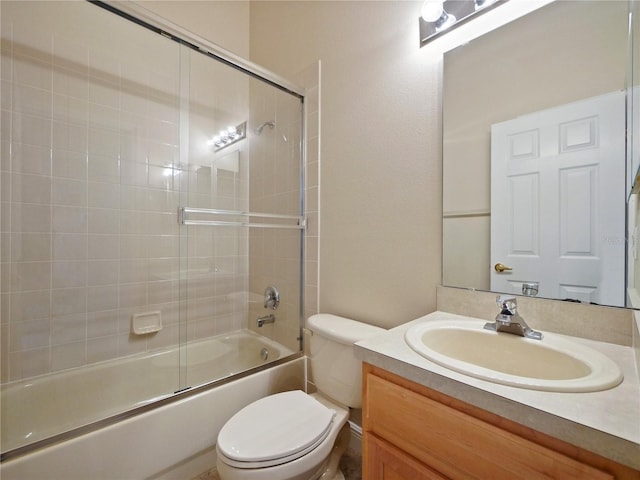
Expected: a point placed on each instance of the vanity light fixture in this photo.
(439, 16)
(228, 136)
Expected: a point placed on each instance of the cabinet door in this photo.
(383, 461)
(458, 445)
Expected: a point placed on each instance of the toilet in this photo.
(294, 435)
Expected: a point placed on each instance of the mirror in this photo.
(564, 54)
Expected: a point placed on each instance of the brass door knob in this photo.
(499, 267)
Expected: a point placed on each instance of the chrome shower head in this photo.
(271, 124)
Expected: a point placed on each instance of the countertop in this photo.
(605, 422)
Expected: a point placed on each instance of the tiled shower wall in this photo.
(87, 206)
(95, 133)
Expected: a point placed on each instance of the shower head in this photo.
(271, 124)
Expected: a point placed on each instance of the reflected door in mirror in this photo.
(558, 201)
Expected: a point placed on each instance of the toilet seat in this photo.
(274, 430)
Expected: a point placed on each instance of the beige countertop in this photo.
(606, 422)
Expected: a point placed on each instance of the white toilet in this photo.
(294, 435)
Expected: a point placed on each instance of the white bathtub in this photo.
(68, 400)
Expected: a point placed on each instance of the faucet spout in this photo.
(509, 321)
(260, 321)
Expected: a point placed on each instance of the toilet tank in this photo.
(335, 370)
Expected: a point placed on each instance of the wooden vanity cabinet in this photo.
(411, 432)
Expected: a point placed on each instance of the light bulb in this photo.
(432, 10)
(479, 4)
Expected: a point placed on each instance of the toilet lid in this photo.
(275, 429)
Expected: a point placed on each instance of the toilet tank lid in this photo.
(340, 329)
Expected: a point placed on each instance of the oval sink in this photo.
(554, 363)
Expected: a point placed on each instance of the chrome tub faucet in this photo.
(266, 319)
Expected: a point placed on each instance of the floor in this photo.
(350, 464)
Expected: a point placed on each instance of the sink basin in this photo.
(555, 363)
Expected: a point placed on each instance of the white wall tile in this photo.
(29, 305)
(68, 328)
(69, 136)
(32, 101)
(69, 192)
(70, 54)
(101, 324)
(67, 301)
(132, 294)
(134, 270)
(30, 159)
(104, 66)
(68, 356)
(104, 195)
(102, 272)
(29, 334)
(104, 94)
(104, 297)
(71, 273)
(31, 129)
(70, 83)
(103, 169)
(69, 219)
(28, 363)
(32, 72)
(129, 344)
(29, 247)
(30, 275)
(31, 189)
(69, 164)
(69, 246)
(30, 218)
(102, 349)
(103, 247)
(104, 140)
(104, 220)
(134, 174)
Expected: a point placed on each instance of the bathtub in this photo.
(68, 401)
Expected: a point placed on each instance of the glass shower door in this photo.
(242, 214)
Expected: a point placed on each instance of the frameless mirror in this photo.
(535, 181)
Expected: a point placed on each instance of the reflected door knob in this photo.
(499, 267)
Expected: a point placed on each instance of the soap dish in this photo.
(147, 322)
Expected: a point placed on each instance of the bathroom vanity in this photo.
(424, 421)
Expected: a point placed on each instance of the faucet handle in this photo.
(507, 303)
(271, 297)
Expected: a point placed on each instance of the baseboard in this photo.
(355, 442)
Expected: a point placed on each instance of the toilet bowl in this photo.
(294, 441)
(294, 435)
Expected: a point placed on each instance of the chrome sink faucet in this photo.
(509, 321)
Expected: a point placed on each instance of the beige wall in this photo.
(225, 23)
(380, 180)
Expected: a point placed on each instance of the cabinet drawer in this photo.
(458, 445)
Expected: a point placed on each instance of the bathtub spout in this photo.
(266, 319)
